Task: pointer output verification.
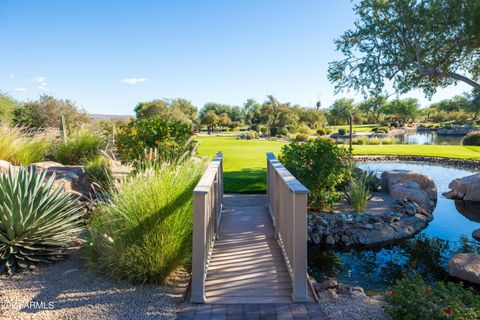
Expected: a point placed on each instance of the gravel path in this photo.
(67, 290)
(353, 307)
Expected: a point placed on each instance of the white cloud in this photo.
(133, 80)
(40, 80)
(21, 89)
(43, 88)
(11, 76)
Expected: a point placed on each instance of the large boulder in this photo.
(466, 188)
(5, 166)
(465, 266)
(407, 185)
(73, 178)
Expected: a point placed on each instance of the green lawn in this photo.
(355, 128)
(245, 161)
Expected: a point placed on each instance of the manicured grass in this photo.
(459, 152)
(245, 160)
(356, 128)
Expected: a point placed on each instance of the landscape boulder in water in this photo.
(412, 186)
(466, 188)
(465, 266)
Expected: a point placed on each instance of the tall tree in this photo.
(422, 44)
(374, 106)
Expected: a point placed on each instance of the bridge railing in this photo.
(207, 209)
(287, 204)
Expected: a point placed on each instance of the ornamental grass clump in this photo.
(80, 146)
(144, 232)
(22, 147)
(38, 223)
(357, 193)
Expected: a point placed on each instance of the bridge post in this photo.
(199, 259)
(300, 247)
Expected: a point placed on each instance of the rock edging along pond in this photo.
(455, 162)
(413, 197)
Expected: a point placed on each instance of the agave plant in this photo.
(38, 223)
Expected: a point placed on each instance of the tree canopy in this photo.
(423, 44)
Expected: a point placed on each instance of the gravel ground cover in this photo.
(68, 290)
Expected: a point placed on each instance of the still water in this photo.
(427, 253)
(428, 137)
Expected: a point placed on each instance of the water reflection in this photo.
(469, 209)
(427, 137)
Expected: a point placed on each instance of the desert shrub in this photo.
(323, 131)
(276, 131)
(264, 131)
(302, 137)
(99, 172)
(359, 141)
(248, 135)
(7, 106)
(440, 301)
(38, 223)
(303, 129)
(357, 192)
(171, 140)
(342, 131)
(145, 231)
(394, 124)
(22, 147)
(472, 139)
(389, 141)
(383, 129)
(48, 111)
(81, 146)
(320, 165)
(374, 141)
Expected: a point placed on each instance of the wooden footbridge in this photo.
(250, 249)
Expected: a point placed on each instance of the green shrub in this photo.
(320, 165)
(340, 141)
(171, 140)
(145, 231)
(359, 141)
(302, 137)
(342, 131)
(413, 298)
(389, 141)
(472, 139)
(81, 146)
(264, 131)
(38, 223)
(323, 131)
(275, 131)
(383, 129)
(357, 193)
(303, 129)
(22, 148)
(248, 135)
(99, 172)
(374, 141)
(394, 124)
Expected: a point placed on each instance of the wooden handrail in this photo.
(207, 210)
(287, 205)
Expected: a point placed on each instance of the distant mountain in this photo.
(100, 117)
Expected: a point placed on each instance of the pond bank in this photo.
(454, 162)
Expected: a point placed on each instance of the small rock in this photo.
(369, 226)
(330, 240)
(345, 239)
(377, 225)
(476, 234)
(332, 294)
(315, 237)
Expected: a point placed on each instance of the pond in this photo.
(427, 137)
(428, 252)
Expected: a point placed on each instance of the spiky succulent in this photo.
(38, 223)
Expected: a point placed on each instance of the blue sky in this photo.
(108, 55)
